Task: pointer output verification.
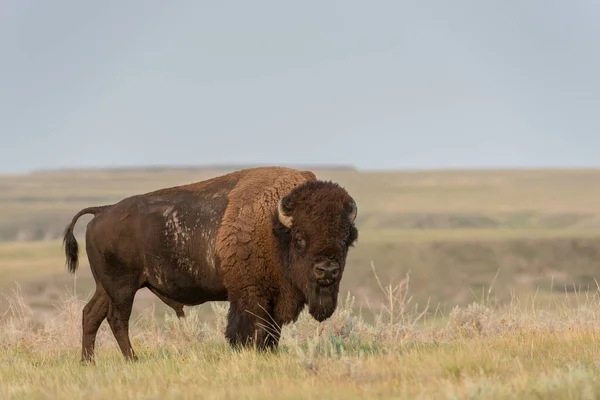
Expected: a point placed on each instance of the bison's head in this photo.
(315, 227)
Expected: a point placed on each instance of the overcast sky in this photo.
(381, 84)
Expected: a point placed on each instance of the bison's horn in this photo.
(281, 215)
(353, 211)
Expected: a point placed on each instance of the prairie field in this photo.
(478, 351)
(463, 284)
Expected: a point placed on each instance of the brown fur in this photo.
(216, 240)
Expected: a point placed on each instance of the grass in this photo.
(446, 269)
(477, 351)
(38, 205)
(532, 236)
(426, 235)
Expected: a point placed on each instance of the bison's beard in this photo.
(322, 302)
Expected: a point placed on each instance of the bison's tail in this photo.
(69, 241)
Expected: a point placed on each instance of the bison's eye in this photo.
(350, 237)
(300, 243)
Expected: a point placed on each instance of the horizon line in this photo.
(315, 166)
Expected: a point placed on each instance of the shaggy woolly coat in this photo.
(206, 241)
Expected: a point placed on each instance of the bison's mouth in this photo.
(323, 301)
(325, 282)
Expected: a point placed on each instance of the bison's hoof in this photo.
(84, 362)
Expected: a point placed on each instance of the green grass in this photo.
(469, 369)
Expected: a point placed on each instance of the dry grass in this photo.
(532, 233)
(447, 271)
(38, 205)
(479, 351)
(453, 230)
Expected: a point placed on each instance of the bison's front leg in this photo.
(250, 323)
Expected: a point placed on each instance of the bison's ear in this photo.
(282, 214)
(353, 211)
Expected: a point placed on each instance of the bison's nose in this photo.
(327, 272)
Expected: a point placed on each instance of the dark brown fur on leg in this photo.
(118, 319)
(251, 326)
(92, 316)
(239, 328)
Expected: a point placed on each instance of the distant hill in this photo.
(222, 168)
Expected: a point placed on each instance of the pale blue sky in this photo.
(386, 84)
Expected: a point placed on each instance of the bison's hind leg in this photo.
(118, 284)
(92, 316)
(119, 312)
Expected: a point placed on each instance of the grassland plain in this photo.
(36, 205)
(453, 231)
(478, 351)
(534, 235)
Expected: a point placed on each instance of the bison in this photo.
(269, 240)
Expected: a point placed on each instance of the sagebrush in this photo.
(484, 350)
